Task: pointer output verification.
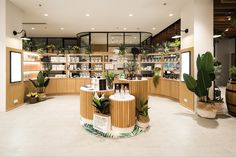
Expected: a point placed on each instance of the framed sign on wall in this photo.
(15, 67)
(185, 64)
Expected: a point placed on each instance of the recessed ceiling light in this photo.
(153, 28)
(125, 28)
(170, 15)
(45, 14)
(112, 37)
(130, 15)
(93, 28)
(33, 28)
(61, 28)
(87, 14)
(227, 29)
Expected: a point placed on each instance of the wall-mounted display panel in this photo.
(15, 67)
(185, 64)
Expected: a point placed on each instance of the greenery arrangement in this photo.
(232, 71)
(142, 110)
(156, 76)
(50, 48)
(32, 95)
(76, 49)
(88, 50)
(41, 82)
(122, 50)
(205, 76)
(131, 67)
(101, 103)
(110, 76)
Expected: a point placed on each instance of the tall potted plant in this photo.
(231, 92)
(205, 75)
(41, 83)
(142, 113)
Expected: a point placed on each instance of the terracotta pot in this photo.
(42, 97)
(32, 100)
(206, 110)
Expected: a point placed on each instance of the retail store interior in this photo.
(117, 78)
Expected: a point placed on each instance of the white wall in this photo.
(223, 50)
(14, 19)
(2, 55)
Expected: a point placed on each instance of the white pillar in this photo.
(197, 16)
(3, 55)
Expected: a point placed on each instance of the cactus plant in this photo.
(205, 76)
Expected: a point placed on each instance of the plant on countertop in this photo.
(142, 111)
(232, 71)
(101, 103)
(131, 67)
(110, 76)
(41, 82)
(156, 76)
(201, 86)
(122, 50)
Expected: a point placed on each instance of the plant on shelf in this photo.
(88, 49)
(76, 49)
(201, 86)
(110, 76)
(156, 76)
(142, 113)
(41, 83)
(122, 50)
(175, 45)
(132, 68)
(51, 48)
(33, 97)
(232, 71)
(166, 47)
(40, 51)
(147, 50)
(101, 103)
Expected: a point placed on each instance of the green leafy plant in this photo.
(132, 68)
(41, 82)
(101, 103)
(232, 71)
(156, 76)
(51, 46)
(88, 50)
(122, 50)
(76, 49)
(205, 76)
(110, 76)
(142, 111)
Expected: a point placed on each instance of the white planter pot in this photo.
(206, 114)
(142, 125)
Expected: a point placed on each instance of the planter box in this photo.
(102, 122)
(206, 110)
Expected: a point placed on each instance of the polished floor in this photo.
(52, 128)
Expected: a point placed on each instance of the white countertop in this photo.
(126, 97)
(92, 90)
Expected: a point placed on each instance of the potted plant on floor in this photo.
(110, 76)
(156, 76)
(231, 92)
(41, 83)
(142, 113)
(33, 97)
(205, 75)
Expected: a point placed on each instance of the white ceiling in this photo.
(105, 15)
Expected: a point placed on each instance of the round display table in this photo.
(122, 113)
(86, 99)
(138, 88)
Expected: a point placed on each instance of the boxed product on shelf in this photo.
(58, 67)
(60, 76)
(58, 59)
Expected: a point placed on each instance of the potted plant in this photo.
(122, 50)
(41, 83)
(75, 49)
(33, 97)
(156, 76)
(142, 113)
(231, 92)
(110, 76)
(131, 68)
(51, 48)
(101, 103)
(205, 75)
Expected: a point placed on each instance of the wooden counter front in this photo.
(122, 112)
(86, 97)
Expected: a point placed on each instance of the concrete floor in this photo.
(52, 128)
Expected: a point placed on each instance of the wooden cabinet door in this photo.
(61, 85)
(174, 89)
(71, 85)
(52, 87)
(165, 87)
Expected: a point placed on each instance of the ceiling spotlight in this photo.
(153, 28)
(135, 37)
(24, 36)
(62, 28)
(87, 14)
(217, 36)
(33, 28)
(170, 15)
(125, 28)
(130, 15)
(227, 29)
(45, 14)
